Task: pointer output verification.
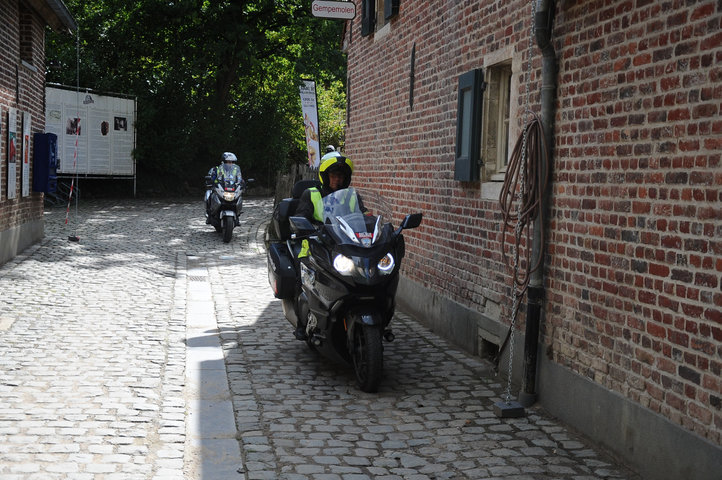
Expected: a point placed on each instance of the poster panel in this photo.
(310, 122)
(12, 149)
(100, 161)
(72, 143)
(123, 138)
(25, 172)
(96, 133)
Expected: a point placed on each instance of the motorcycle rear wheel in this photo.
(367, 356)
(228, 225)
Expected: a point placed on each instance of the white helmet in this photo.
(228, 157)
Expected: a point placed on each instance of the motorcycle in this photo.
(342, 288)
(224, 203)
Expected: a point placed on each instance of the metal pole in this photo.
(535, 296)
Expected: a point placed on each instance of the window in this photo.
(368, 16)
(485, 126)
(26, 36)
(377, 13)
(380, 14)
(495, 123)
(387, 9)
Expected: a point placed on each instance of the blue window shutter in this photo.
(368, 16)
(468, 126)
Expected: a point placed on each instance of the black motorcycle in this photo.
(339, 280)
(224, 203)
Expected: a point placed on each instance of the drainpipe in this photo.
(543, 22)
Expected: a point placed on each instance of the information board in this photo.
(96, 133)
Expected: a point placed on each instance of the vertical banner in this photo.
(310, 122)
(25, 172)
(12, 151)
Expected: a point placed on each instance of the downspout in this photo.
(543, 21)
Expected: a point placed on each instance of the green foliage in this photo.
(210, 76)
(332, 114)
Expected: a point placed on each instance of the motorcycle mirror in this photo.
(411, 221)
(301, 225)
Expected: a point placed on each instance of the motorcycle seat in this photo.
(303, 185)
(287, 208)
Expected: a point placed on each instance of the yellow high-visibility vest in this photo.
(317, 201)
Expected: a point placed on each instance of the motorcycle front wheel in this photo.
(228, 224)
(367, 355)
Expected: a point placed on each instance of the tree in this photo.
(210, 76)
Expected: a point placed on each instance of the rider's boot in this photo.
(300, 332)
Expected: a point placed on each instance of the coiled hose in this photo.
(527, 172)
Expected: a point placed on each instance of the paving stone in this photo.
(151, 350)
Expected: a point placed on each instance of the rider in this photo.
(335, 173)
(227, 169)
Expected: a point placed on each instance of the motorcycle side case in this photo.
(281, 272)
(283, 210)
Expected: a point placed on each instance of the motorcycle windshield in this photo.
(343, 218)
(229, 174)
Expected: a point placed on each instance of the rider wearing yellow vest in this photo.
(335, 173)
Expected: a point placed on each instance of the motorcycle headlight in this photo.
(228, 196)
(386, 264)
(343, 264)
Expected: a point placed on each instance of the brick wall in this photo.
(409, 153)
(22, 77)
(637, 218)
(633, 270)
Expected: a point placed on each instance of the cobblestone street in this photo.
(151, 350)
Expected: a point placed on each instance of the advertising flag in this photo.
(310, 122)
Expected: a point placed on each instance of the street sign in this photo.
(343, 10)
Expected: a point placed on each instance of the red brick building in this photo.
(22, 110)
(629, 93)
